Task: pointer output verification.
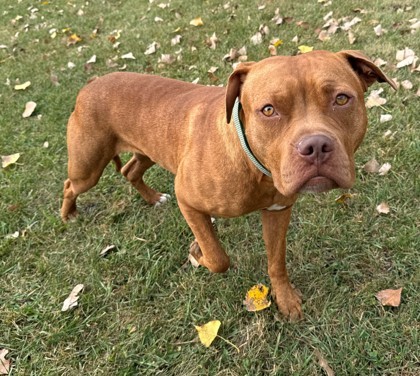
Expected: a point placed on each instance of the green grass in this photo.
(137, 311)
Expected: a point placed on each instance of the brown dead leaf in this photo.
(323, 363)
(4, 363)
(390, 297)
(372, 166)
(212, 41)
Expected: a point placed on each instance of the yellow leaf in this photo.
(197, 22)
(344, 198)
(256, 298)
(304, 49)
(7, 160)
(277, 43)
(73, 39)
(23, 86)
(208, 332)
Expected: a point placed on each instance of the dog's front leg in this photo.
(210, 253)
(275, 224)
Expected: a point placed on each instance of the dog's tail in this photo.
(118, 163)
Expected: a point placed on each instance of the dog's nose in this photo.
(315, 148)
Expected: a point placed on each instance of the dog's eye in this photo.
(268, 110)
(341, 99)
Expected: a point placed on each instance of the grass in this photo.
(137, 311)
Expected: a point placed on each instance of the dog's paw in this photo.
(164, 198)
(289, 302)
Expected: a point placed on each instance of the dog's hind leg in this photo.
(134, 170)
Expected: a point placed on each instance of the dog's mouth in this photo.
(318, 184)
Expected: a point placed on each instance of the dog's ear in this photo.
(368, 72)
(233, 90)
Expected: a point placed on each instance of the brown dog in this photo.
(298, 124)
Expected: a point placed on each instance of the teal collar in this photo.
(242, 138)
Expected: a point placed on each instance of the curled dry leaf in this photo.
(29, 109)
(390, 297)
(383, 208)
(72, 299)
(7, 160)
(176, 40)
(107, 250)
(378, 30)
(4, 363)
(351, 37)
(212, 41)
(167, 59)
(406, 84)
(73, 39)
(208, 332)
(257, 298)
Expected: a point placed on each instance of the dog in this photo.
(282, 126)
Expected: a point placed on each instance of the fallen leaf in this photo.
(92, 60)
(71, 65)
(128, 56)
(4, 363)
(383, 208)
(73, 39)
(23, 86)
(151, 49)
(384, 169)
(324, 36)
(351, 37)
(374, 99)
(323, 363)
(257, 38)
(197, 22)
(304, 49)
(379, 62)
(344, 198)
(406, 84)
(15, 235)
(107, 250)
(378, 30)
(71, 300)
(7, 160)
(256, 298)
(385, 118)
(372, 166)
(390, 297)
(212, 41)
(29, 109)
(167, 59)
(176, 39)
(347, 25)
(208, 332)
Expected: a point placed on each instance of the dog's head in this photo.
(304, 116)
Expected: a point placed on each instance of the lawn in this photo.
(137, 312)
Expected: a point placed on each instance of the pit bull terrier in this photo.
(281, 127)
